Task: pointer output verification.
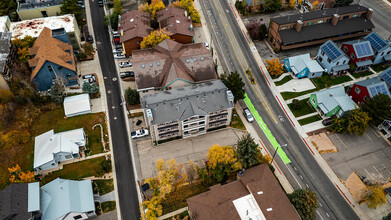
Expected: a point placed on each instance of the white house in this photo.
(77, 105)
(50, 148)
(62, 199)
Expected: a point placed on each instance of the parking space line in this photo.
(370, 176)
(341, 141)
(386, 168)
(374, 131)
(379, 172)
(369, 137)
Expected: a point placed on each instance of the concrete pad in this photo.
(183, 150)
(322, 143)
(313, 126)
(296, 85)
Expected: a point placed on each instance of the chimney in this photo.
(298, 25)
(369, 13)
(335, 19)
(331, 94)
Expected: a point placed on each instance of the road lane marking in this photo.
(319, 214)
(293, 176)
(265, 130)
(264, 103)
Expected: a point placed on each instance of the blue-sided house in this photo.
(380, 46)
(386, 76)
(52, 58)
(332, 58)
(303, 66)
(332, 102)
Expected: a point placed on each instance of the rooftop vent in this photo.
(187, 61)
(131, 20)
(158, 63)
(260, 192)
(202, 58)
(143, 66)
(269, 209)
(195, 59)
(177, 21)
(149, 114)
(150, 64)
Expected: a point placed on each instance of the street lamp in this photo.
(275, 152)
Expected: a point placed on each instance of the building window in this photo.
(352, 56)
(44, 14)
(53, 164)
(320, 21)
(337, 63)
(313, 101)
(68, 156)
(77, 217)
(334, 111)
(355, 15)
(283, 27)
(50, 68)
(344, 62)
(357, 90)
(345, 49)
(345, 17)
(328, 60)
(389, 52)
(321, 59)
(322, 53)
(59, 67)
(382, 54)
(138, 42)
(69, 74)
(310, 23)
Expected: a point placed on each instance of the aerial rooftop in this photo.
(169, 61)
(35, 26)
(175, 21)
(5, 44)
(135, 24)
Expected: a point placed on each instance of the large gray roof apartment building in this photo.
(188, 111)
(317, 27)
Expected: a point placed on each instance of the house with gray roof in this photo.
(303, 66)
(381, 47)
(332, 102)
(188, 111)
(369, 88)
(386, 76)
(13, 202)
(332, 59)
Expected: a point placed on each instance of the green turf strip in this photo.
(267, 132)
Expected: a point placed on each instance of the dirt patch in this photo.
(356, 187)
(323, 144)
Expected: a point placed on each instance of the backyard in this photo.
(79, 170)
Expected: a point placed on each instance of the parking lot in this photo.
(368, 155)
(183, 150)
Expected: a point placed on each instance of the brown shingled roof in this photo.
(218, 202)
(175, 21)
(48, 48)
(135, 24)
(168, 61)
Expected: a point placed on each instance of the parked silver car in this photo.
(119, 56)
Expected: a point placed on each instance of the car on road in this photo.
(327, 121)
(206, 45)
(119, 56)
(116, 38)
(90, 39)
(125, 64)
(127, 75)
(139, 133)
(117, 50)
(100, 3)
(248, 115)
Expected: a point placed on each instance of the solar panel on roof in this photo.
(331, 50)
(378, 90)
(363, 49)
(377, 42)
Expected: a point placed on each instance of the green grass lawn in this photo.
(102, 187)
(379, 67)
(77, 171)
(177, 199)
(108, 206)
(236, 122)
(305, 109)
(291, 95)
(362, 74)
(55, 120)
(326, 81)
(308, 120)
(283, 81)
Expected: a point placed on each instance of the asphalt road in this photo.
(126, 185)
(381, 13)
(304, 171)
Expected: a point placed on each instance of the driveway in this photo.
(183, 150)
(369, 156)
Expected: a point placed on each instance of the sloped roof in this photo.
(259, 182)
(13, 201)
(48, 48)
(61, 197)
(328, 99)
(181, 103)
(175, 21)
(50, 143)
(375, 86)
(76, 104)
(386, 76)
(300, 62)
(169, 61)
(34, 197)
(332, 50)
(362, 48)
(135, 24)
(378, 43)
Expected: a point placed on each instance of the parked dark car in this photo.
(127, 75)
(327, 121)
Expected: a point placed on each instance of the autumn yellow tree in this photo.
(188, 5)
(316, 3)
(300, 1)
(15, 138)
(292, 3)
(155, 38)
(22, 46)
(222, 161)
(6, 96)
(151, 209)
(274, 67)
(18, 176)
(155, 6)
(376, 197)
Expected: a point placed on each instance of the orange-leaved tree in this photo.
(155, 38)
(18, 176)
(274, 67)
(222, 161)
(155, 6)
(188, 5)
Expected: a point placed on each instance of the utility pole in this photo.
(275, 152)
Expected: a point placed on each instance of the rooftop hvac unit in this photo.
(149, 114)
(230, 95)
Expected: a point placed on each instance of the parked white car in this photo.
(125, 64)
(139, 133)
(248, 115)
(117, 50)
(119, 56)
(206, 45)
